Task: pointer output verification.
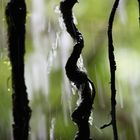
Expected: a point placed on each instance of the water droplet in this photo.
(91, 118)
(73, 88)
(9, 89)
(9, 84)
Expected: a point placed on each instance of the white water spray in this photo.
(37, 78)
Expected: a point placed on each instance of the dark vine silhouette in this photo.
(16, 18)
(112, 71)
(87, 91)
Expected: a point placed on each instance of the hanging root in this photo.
(15, 16)
(82, 113)
(112, 72)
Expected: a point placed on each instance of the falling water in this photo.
(41, 61)
(122, 11)
(129, 75)
(3, 46)
(99, 89)
(42, 127)
(64, 43)
(52, 129)
(39, 129)
(136, 109)
(5, 84)
(135, 127)
(36, 63)
(66, 91)
(121, 100)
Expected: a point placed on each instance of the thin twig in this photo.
(112, 71)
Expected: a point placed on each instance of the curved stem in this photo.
(112, 63)
(85, 86)
(112, 69)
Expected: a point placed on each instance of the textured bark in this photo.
(87, 91)
(16, 18)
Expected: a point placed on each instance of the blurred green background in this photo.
(52, 97)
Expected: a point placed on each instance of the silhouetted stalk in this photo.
(16, 18)
(85, 86)
(112, 71)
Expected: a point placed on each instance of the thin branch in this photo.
(106, 125)
(16, 18)
(112, 70)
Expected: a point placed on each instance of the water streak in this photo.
(135, 127)
(66, 89)
(52, 137)
(36, 63)
(122, 11)
(42, 127)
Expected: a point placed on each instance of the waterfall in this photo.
(37, 77)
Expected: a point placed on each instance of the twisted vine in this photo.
(16, 18)
(87, 91)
